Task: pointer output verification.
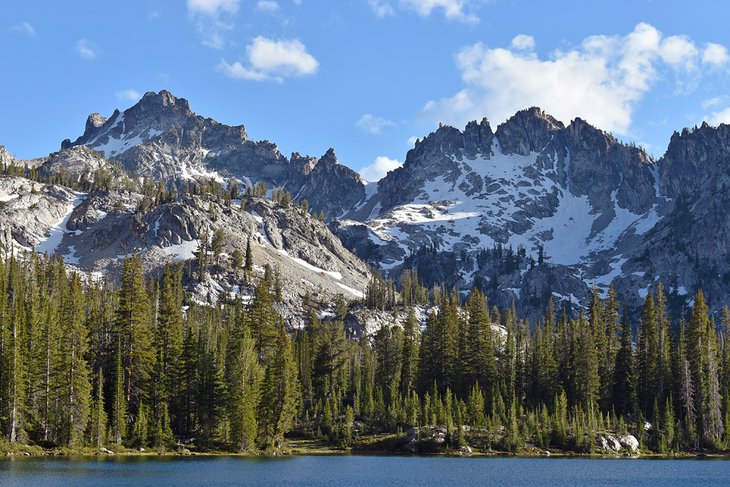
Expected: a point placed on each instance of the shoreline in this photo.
(295, 450)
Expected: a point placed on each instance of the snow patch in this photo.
(354, 292)
(56, 232)
(70, 256)
(182, 251)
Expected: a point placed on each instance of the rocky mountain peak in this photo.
(694, 159)
(478, 138)
(6, 158)
(329, 157)
(94, 121)
(527, 131)
(152, 101)
(305, 164)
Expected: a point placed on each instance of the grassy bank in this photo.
(385, 444)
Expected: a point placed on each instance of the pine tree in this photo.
(699, 349)
(119, 406)
(280, 392)
(244, 379)
(168, 338)
(135, 331)
(585, 365)
(14, 366)
(263, 320)
(624, 380)
(248, 265)
(714, 427)
(388, 345)
(98, 414)
(140, 426)
(439, 351)
(411, 338)
(478, 364)
(74, 367)
(545, 368)
(611, 329)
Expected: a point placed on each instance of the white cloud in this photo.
(87, 49)
(128, 95)
(212, 7)
(272, 60)
(379, 168)
(523, 42)
(452, 9)
(267, 6)
(237, 70)
(679, 52)
(381, 8)
(718, 117)
(373, 124)
(602, 80)
(27, 28)
(715, 54)
(458, 10)
(412, 140)
(208, 17)
(715, 101)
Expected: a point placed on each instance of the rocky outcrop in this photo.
(527, 131)
(84, 165)
(94, 231)
(331, 187)
(532, 211)
(600, 212)
(611, 443)
(162, 138)
(6, 158)
(694, 159)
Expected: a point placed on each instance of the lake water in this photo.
(370, 471)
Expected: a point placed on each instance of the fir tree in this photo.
(244, 379)
(280, 392)
(624, 379)
(74, 367)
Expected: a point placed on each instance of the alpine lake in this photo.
(347, 470)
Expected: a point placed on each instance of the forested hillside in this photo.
(143, 366)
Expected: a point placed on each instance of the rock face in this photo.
(6, 158)
(161, 138)
(94, 231)
(538, 209)
(82, 164)
(530, 211)
(630, 443)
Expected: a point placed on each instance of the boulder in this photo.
(630, 443)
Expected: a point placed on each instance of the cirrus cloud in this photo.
(602, 80)
(212, 7)
(212, 19)
(267, 6)
(719, 117)
(87, 49)
(26, 27)
(457, 10)
(128, 95)
(373, 124)
(274, 60)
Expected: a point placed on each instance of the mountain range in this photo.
(529, 211)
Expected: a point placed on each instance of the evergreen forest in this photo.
(141, 366)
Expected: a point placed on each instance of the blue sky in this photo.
(364, 76)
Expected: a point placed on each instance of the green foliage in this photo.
(166, 370)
